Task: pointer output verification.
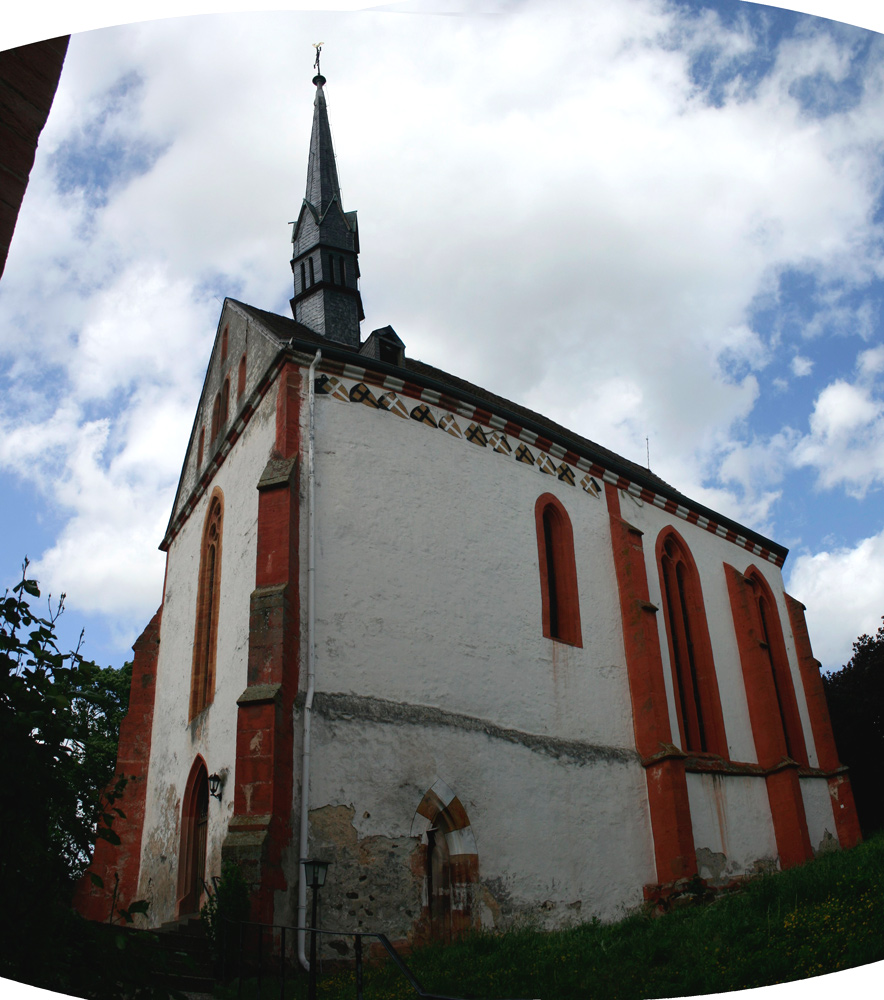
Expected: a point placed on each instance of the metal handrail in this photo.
(357, 935)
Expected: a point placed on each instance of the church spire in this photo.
(325, 241)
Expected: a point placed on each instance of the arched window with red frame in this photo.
(770, 635)
(241, 378)
(202, 680)
(697, 701)
(225, 402)
(216, 416)
(558, 571)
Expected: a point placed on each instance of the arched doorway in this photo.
(451, 864)
(194, 830)
(438, 874)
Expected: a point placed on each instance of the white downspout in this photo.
(311, 667)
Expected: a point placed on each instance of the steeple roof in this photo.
(322, 173)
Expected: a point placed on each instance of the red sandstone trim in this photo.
(564, 580)
(670, 811)
(709, 708)
(205, 642)
(783, 789)
(843, 808)
(133, 761)
(264, 778)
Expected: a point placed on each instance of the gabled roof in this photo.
(298, 337)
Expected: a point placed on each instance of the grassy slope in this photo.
(824, 916)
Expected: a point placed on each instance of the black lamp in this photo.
(315, 871)
(215, 783)
(314, 875)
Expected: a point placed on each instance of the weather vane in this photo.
(318, 47)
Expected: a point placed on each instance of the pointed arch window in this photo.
(697, 701)
(770, 634)
(241, 378)
(216, 415)
(202, 680)
(225, 402)
(558, 571)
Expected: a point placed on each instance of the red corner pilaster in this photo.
(261, 825)
(846, 821)
(783, 788)
(122, 861)
(670, 809)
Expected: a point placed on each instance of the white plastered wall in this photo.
(818, 807)
(428, 595)
(176, 742)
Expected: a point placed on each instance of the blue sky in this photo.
(644, 219)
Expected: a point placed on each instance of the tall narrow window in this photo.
(331, 268)
(342, 266)
(201, 449)
(558, 573)
(224, 344)
(303, 278)
(225, 402)
(216, 416)
(241, 378)
(312, 275)
(770, 634)
(697, 701)
(202, 682)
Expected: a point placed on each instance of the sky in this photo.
(658, 223)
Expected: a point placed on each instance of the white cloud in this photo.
(844, 593)
(546, 185)
(801, 366)
(846, 441)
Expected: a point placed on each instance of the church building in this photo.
(489, 669)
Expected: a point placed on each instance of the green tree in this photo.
(59, 724)
(855, 694)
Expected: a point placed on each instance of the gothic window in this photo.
(224, 344)
(770, 634)
(558, 572)
(201, 449)
(241, 377)
(697, 701)
(202, 681)
(225, 402)
(216, 416)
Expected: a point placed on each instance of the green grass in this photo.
(825, 916)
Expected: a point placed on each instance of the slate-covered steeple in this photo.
(325, 240)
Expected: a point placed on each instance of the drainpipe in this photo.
(311, 665)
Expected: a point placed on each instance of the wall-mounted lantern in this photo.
(216, 782)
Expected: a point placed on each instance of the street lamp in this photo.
(314, 875)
